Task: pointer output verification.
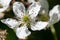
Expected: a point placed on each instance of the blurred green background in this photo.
(37, 35)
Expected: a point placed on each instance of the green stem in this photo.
(53, 32)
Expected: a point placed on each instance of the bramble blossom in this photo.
(27, 18)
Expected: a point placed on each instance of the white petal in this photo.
(22, 32)
(34, 9)
(18, 9)
(12, 23)
(5, 4)
(39, 26)
(31, 1)
(55, 10)
(54, 14)
(44, 4)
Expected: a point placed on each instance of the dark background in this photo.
(37, 35)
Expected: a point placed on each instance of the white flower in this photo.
(4, 4)
(54, 15)
(27, 19)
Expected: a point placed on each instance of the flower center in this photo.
(26, 18)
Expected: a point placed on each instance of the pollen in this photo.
(26, 18)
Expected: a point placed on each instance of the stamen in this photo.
(25, 18)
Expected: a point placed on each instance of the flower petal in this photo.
(39, 25)
(54, 14)
(34, 9)
(18, 9)
(22, 32)
(4, 4)
(31, 1)
(44, 4)
(12, 23)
